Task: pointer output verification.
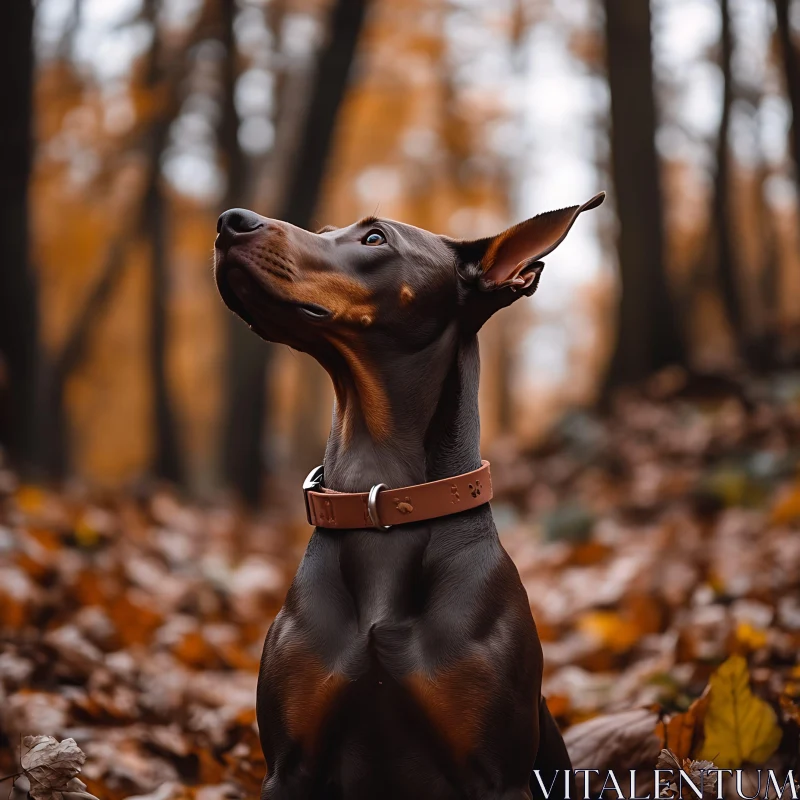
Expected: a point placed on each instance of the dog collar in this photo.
(382, 508)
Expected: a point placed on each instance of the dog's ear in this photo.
(508, 265)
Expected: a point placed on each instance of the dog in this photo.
(405, 662)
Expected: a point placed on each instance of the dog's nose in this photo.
(238, 220)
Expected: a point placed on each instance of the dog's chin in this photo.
(236, 289)
(271, 317)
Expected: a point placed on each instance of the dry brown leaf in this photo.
(682, 734)
(25, 711)
(699, 772)
(52, 768)
(790, 708)
(616, 742)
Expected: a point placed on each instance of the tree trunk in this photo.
(243, 448)
(247, 358)
(763, 346)
(763, 337)
(721, 211)
(791, 72)
(19, 338)
(166, 461)
(648, 329)
(327, 93)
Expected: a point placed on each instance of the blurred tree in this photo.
(721, 237)
(649, 331)
(299, 195)
(791, 72)
(246, 358)
(146, 217)
(166, 461)
(19, 337)
(763, 346)
(327, 93)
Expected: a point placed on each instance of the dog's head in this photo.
(376, 278)
(356, 297)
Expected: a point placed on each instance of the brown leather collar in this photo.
(381, 507)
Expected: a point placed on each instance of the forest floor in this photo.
(656, 543)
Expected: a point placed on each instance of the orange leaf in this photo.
(787, 506)
(683, 733)
(610, 629)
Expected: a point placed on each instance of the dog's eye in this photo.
(374, 238)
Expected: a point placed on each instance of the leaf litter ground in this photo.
(656, 543)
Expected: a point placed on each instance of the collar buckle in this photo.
(372, 507)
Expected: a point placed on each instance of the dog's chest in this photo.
(385, 574)
(399, 598)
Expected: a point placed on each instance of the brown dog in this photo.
(404, 663)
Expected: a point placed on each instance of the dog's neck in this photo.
(434, 427)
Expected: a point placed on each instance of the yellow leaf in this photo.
(30, 499)
(610, 630)
(752, 638)
(739, 726)
(85, 533)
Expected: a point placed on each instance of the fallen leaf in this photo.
(26, 711)
(702, 774)
(52, 768)
(610, 629)
(739, 726)
(751, 637)
(616, 742)
(169, 790)
(790, 709)
(681, 733)
(30, 499)
(786, 508)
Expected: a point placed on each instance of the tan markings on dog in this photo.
(307, 693)
(347, 421)
(455, 701)
(341, 425)
(346, 299)
(406, 295)
(532, 239)
(371, 394)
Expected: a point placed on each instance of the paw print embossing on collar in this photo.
(403, 506)
(327, 515)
